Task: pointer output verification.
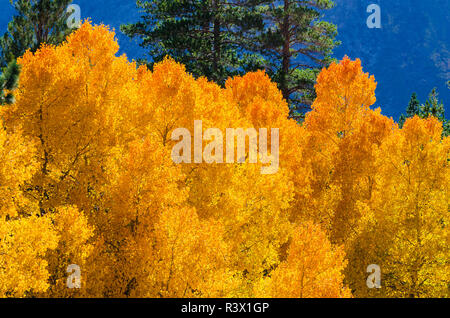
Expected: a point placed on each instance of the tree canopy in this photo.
(87, 178)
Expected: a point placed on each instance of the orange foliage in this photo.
(87, 179)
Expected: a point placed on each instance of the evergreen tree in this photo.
(211, 37)
(36, 22)
(8, 82)
(412, 109)
(221, 39)
(432, 107)
(413, 106)
(297, 44)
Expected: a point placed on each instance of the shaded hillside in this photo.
(409, 53)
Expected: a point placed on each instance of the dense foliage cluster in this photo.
(87, 178)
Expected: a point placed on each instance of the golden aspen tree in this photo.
(110, 198)
(24, 243)
(152, 243)
(342, 134)
(18, 164)
(25, 238)
(74, 247)
(70, 101)
(261, 103)
(405, 227)
(258, 99)
(313, 268)
(236, 195)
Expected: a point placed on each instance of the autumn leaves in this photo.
(87, 178)
(214, 151)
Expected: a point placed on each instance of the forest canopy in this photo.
(86, 178)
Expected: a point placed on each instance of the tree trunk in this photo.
(216, 41)
(286, 57)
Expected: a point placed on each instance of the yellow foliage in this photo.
(342, 134)
(17, 166)
(23, 246)
(87, 178)
(313, 268)
(405, 228)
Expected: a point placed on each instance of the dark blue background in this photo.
(410, 53)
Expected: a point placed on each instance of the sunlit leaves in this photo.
(87, 178)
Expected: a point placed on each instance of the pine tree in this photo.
(211, 37)
(36, 22)
(221, 39)
(297, 44)
(434, 107)
(8, 82)
(412, 109)
(413, 106)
